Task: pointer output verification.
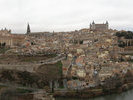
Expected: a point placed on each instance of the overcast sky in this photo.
(64, 15)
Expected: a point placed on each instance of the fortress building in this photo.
(99, 27)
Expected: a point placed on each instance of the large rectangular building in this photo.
(99, 27)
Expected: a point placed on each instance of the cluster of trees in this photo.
(23, 78)
(3, 49)
(125, 34)
(112, 82)
(121, 44)
(76, 41)
(117, 81)
(2, 44)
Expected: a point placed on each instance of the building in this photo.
(5, 37)
(10, 40)
(99, 27)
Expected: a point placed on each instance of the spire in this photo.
(93, 22)
(107, 22)
(28, 29)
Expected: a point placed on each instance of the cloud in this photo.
(64, 15)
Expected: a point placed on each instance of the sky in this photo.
(64, 15)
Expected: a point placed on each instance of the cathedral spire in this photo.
(93, 22)
(107, 22)
(28, 29)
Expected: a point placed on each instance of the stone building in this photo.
(5, 37)
(8, 39)
(99, 27)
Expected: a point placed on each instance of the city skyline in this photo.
(64, 15)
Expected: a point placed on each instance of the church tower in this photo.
(28, 29)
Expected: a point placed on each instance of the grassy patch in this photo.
(1, 86)
(59, 65)
(24, 91)
(96, 90)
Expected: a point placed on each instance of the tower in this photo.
(28, 29)
(107, 25)
(93, 25)
(90, 26)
